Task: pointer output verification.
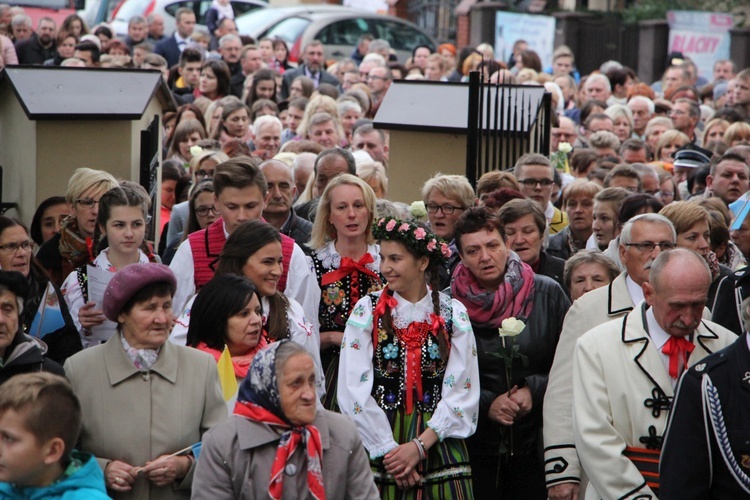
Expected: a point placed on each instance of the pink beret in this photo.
(130, 280)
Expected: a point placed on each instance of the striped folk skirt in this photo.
(446, 474)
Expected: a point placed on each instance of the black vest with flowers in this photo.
(390, 365)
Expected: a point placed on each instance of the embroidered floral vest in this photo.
(390, 365)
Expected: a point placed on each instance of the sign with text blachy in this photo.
(701, 36)
(538, 31)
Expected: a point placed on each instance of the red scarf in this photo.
(677, 348)
(514, 298)
(287, 446)
(240, 363)
(350, 267)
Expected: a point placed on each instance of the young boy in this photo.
(40, 420)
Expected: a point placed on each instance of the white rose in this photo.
(195, 150)
(564, 147)
(511, 327)
(418, 209)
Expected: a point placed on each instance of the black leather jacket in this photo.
(538, 341)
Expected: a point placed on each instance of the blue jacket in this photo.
(87, 483)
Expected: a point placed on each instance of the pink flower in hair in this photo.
(445, 250)
(380, 222)
(403, 227)
(431, 245)
(391, 224)
(420, 233)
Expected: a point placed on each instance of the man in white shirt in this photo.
(592, 309)
(625, 372)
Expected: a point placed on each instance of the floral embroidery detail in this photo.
(459, 411)
(355, 344)
(357, 408)
(382, 335)
(359, 311)
(467, 383)
(474, 418)
(390, 351)
(450, 381)
(474, 351)
(363, 378)
(434, 351)
(463, 317)
(334, 296)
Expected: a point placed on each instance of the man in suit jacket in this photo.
(312, 68)
(594, 308)
(171, 48)
(625, 373)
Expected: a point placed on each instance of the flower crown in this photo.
(419, 239)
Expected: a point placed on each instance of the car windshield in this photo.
(288, 30)
(50, 4)
(251, 23)
(130, 8)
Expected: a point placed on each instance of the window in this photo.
(288, 30)
(344, 32)
(401, 36)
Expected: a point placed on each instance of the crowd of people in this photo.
(569, 326)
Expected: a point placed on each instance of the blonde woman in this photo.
(346, 264)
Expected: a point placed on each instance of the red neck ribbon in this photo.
(308, 435)
(677, 348)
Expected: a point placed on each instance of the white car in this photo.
(167, 8)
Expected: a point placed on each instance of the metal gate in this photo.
(435, 17)
(504, 123)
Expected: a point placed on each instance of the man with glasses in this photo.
(536, 175)
(564, 132)
(278, 210)
(625, 373)
(379, 80)
(642, 239)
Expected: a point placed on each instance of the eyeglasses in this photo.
(204, 173)
(203, 211)
(531, 183)
(11, 248)
(648, 246)
(375, 77)
(446, 209)
(664, 194)
(86, 202)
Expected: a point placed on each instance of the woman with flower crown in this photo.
(409, 372)
(345, 262)
(516, 317)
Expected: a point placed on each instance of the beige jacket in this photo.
(136, 417)
(236, 460)
(594, 308)
(621, 397)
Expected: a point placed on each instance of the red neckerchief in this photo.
(287, 446)
(676, 348)
(240, 363)
(350, 267)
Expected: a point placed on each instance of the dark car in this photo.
(338, 28)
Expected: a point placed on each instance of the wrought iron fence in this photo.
(504, 123)
(435, 17)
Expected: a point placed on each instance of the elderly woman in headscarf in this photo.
(279, 444)
(145, 401)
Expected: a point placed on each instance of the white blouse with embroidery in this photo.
(73, 294)
(455, 415)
